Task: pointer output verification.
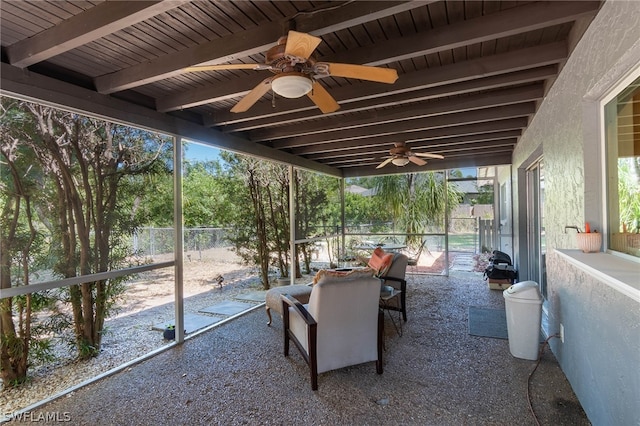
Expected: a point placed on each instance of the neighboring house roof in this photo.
(466, 186)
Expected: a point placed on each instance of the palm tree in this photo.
(416, 201)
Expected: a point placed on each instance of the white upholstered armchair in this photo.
(340, 326)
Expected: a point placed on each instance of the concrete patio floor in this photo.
(434, 374)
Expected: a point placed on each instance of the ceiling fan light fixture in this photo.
(291, 86)
(400, 161)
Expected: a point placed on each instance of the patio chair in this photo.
(341, 326)
(392, 269)
(395, 277)
(414, 257)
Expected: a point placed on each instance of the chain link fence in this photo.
(156, 241)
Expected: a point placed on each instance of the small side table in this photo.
(384, 302)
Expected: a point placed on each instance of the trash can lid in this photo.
(526, 290)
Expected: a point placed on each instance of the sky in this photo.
(198, 152)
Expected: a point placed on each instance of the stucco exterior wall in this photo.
(601, 353)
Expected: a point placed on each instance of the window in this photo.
(622, 132)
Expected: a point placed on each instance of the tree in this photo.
(17, 236)
(24, 334)
(416, 200)
(94, 179)
(315, 212)
(258, 190)
(629, 194)
(485, 195)
(205, 202)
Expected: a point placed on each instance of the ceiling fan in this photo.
(296, 73)
(401, 155)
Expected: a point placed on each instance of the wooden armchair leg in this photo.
(403, 303)
(269, 315)
(285, 326)
(380, 341)
(314, 381)
(404, 312)
(286, 344)
(313, 355)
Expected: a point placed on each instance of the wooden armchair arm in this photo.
(402, 281)
(310, 354)
(288, 300)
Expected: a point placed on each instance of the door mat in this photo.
(488, 322)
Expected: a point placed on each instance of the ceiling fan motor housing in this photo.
(399, 150)
(281, 62)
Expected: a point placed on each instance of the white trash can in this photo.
(523, 304)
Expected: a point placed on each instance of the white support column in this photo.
(342, 219)
(446, 221)
(292, 225)
(178, 238)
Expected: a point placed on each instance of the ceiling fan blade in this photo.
(428, 155)
(363, 72)
(384, 163)
(227, 67)
(301, 45)
(416, 160)
(252, 97)
(323, 99)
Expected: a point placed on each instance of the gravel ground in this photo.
(434, 374)
(149, 300)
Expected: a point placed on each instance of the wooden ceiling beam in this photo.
(452, 163)
(515, 124)
(92, 24)
(505, 23)
(523, 59)
(457, 150)
(445, 120)
(414, 111)
(32, 87)
(482, 84)
(444, 143)
(320, 22)
(247, 43)
(470, 78)
(373, 161)
(512, 21)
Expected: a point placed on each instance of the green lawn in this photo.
(463, 242)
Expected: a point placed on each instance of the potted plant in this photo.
(169, 332)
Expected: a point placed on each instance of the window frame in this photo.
(611, 94)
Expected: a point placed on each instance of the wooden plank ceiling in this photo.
(471, 73)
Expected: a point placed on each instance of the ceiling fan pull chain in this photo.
(273, 99)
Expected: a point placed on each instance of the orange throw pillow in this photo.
(380, 261)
